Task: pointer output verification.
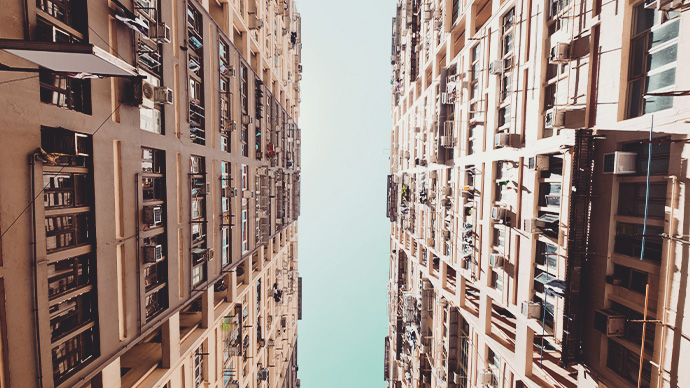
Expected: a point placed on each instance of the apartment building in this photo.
(536, 194)
(149, 193)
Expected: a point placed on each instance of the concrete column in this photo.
(110, 375)
(485, 303)
(460, 291)
(207, 311)
(524, 347)
(170, 338)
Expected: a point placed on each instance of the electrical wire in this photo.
(18, 79)
(646, 198)
(46, 186)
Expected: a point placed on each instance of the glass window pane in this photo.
(637, 52)
(662, 57)
(665, 33)
(661, 80)
(635, 90)
(644, 19)
(656, 104)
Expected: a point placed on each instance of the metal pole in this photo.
(646, 198)
(644, 328)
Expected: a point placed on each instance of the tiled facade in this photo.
(160, 247)
(517, 188)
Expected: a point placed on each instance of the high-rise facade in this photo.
(524, 189)
(149, 221)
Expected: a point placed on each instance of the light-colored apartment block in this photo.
(522, 193)
(149, 193)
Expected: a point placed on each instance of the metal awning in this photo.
(545, 278)
(548, 218)
(70, 57)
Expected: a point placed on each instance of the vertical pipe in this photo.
(644, 328)
(39, 364)
(646, 198)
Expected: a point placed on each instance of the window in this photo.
(73, 353)
(195, 59)
(199, 191)
(499, 237)
(244, 105)
(70, 12)
(245, 246)
(198, 367)
(653, 55)
(550, 194)
(547, 255)
(661, 152)
(226, 125)
(629, 278)
(508, 22)
(633, 330)
(65, 92)
(68, 224)
(631, 199)
(497, 280)
(626, 364)
(629, 241)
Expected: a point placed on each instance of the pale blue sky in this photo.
(343, 235)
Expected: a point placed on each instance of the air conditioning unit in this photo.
(554, 119)
(496, 260)
(485, 377)
(504, 140)
(254, 22)
(153, 215)
(447, 98)
(263, 374)
(433, 174)
(229, 192)
(620, 162)
(153, 253)
(539, 162)
(247, 119)
(247, 194)
(163, 95)
(230, 127)
(498, 213)
(532, 310)
(232, 384)
(532, 226)
(430, 242)
(496, 67)
(160, 33)
(208, 188)
(560, 53)
(227, 71)
(446, 235)
(610, 323)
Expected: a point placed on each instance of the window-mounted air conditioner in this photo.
(153, 215)
(496, 67)
(254, 22)
(228, 71)
(230, 127)
(554, 119)
(531, 310)
(539, 162)
(229, 192)
(532, 225)
(446, 235)
(560, 53)
(247, 119)
(247, 194)
(496, 260)
(263, 374)
(430, 242)
(620, 162)
(504, 140)
(153, 253)
(609, 322)
(160, 33)
(498, 213)
(485, 377)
